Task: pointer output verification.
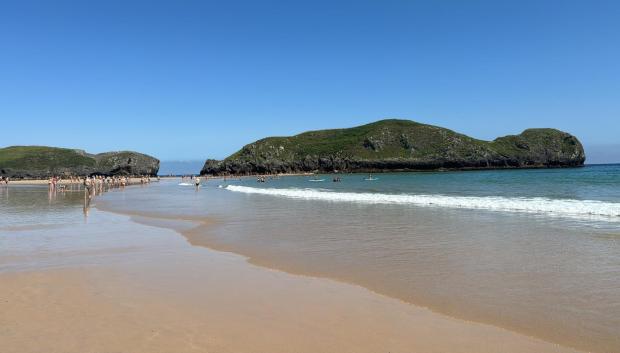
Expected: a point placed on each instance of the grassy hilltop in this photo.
(399, 145)
(43, 162)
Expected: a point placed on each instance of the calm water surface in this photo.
(41, 230)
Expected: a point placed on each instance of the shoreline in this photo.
(175, 297)
(407, 170)
(377, 171)
(130, 181)
(136, 180)
(194, 236)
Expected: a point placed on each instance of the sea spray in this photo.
(559, 207)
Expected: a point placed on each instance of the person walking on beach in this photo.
(87, 186)
(98, 185)
(86, 208)
(93, 186)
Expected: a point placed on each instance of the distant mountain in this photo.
(43, 162)
(399, 145)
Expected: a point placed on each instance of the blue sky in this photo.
(196, 79)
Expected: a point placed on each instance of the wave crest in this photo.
(559, 207)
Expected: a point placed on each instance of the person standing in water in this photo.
(197, 182)
(87, 187)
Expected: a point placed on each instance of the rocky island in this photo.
(399, 145)
(37, 162)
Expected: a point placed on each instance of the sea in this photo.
(536, 251)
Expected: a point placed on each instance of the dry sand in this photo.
(191, 299)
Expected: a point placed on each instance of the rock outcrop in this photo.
(399, 145)
(35, 162)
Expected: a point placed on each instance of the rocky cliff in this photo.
(34, 162)
(399, 145)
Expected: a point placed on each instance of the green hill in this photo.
(43, 162)
(399, 145)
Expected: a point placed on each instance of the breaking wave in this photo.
(558, 207)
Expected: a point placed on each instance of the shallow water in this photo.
(551, 273)
(40, 230)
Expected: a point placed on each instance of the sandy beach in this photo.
(130, 181)
(144, 288)
(133, 181)
(310, 177)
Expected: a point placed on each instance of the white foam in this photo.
(559, 207)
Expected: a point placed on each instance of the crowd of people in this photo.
(94, 184)
(90, 186)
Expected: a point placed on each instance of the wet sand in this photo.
(539, 277)
(166, 296)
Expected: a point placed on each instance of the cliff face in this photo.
(35, 162)
(399, 145)
(126, 163)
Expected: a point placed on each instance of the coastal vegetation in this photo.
(42, 162)
(399, 145)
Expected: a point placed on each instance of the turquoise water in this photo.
(589, 193)
(600, 182)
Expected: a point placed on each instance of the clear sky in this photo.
(196, 79)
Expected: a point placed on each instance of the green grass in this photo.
(40, 161)
(383, 139)
(394, 139)
(40, 157)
